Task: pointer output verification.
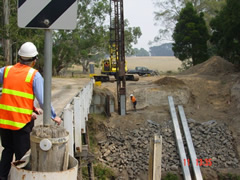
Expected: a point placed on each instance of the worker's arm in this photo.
(1, 75)
(38, 89)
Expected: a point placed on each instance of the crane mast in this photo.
(118, 51)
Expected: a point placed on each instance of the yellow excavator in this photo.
(109, 69)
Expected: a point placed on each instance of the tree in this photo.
(15, 36)
(225, 31)
(6, 40)
(140, 52)
(190, 36)
(79, 46)
(168, 12)
(131, 36)
(163, 50)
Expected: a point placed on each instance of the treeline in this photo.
(162, 50)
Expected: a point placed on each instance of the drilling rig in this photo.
(115, 67)
(117, 31)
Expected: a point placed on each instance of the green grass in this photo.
(101, 172)
(170, 176)
(94, 122)
(228, 176)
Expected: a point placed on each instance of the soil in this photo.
(208, 91)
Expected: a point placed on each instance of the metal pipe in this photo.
(47, 73)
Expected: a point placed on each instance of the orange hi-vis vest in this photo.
(16, 103)
(133, 99)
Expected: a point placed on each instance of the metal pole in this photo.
(47, 73)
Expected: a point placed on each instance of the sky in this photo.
(141, 13)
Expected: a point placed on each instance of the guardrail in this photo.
(75, 116)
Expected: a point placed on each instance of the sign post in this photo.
(47, 70)
(48, 15)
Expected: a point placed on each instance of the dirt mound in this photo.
(169, 81)
(214, 66)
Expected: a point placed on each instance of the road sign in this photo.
(47, 14)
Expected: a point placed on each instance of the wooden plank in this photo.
(191, 149)
(68, 125)
(150, 162)
(77, 122)
(157, 160)
(178, 136)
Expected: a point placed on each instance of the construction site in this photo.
(209, 93)
(180, 125)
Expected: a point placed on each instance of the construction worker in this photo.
(134, 101)
(21, 84)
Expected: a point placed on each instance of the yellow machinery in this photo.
(109, 69)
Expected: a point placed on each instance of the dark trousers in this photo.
(134, 105)
(14, 142)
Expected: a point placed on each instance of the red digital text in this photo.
(199, 162)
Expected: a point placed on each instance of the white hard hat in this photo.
(131, 95)
(28, 49)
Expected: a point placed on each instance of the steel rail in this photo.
(191, 149)
(181, 150)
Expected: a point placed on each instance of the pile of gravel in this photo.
(129, 150)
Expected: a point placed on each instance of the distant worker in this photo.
(106, 66)
(134, 101)
(21, 84)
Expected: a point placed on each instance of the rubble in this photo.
(129, 150)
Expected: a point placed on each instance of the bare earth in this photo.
(209, 91)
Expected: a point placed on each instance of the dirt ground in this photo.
(208, 91)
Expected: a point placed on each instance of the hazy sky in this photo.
(141, 13)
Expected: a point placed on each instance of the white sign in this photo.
(47, 14)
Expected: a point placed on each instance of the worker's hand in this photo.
(57, 120)
(38, 111)
(34, 116)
